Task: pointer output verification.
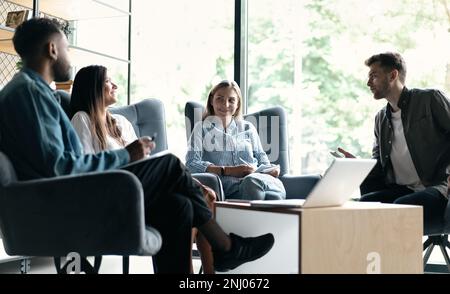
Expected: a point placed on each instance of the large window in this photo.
(180, 49)
(308, 56)
(109, 37)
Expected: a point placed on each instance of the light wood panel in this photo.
(78, 55)
(362, 238)
(7, 46)
(6, 33)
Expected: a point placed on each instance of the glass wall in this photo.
(108, 36)
(179, 50)
(308, 56)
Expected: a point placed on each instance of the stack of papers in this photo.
(266, 168)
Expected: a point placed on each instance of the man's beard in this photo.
(382, 91)
(62, 72)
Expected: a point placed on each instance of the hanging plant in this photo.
(19, 64)
(65, 27)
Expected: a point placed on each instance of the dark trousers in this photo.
(433, 202)
(173, 205)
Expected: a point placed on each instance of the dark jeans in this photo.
(173, 205)
(432, 201)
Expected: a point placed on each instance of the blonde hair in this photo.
(209, 111)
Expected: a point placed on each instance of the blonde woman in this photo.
(225, 144)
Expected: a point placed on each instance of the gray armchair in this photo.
(297, 187)
(147, 118)
(92, 214)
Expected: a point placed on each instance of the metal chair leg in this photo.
(25, 265)
(85, 266)
(446, 241)
(57, 262)
(427, 243)
(427, 255)
(97, 263)
(126, 265)
(445, 254)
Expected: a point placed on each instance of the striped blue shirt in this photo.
(210, 144)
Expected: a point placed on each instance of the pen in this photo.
(151, 138)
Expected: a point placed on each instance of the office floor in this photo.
(110, 265)
(113, 265)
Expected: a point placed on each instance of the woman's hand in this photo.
(275, 173)
(239, 171)
(149, 141)
(140, 148)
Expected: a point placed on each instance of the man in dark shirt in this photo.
(412, 141)
(38, 138)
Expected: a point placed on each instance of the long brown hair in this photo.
(209, 111)
(88, 96)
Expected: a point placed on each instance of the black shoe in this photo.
(242, 250)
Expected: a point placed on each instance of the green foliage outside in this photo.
(120, 78)
(336, 108)
(305, 55)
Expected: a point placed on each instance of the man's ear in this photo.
(393, 75)
(51, 50)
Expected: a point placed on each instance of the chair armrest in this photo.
(447, 218)
(298, 187)
(92, 214)
(212, 181)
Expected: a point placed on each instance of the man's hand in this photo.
(346, 154)
(140, 148)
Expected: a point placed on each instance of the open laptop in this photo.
(340, 180)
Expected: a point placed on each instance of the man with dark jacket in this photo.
(412, 140)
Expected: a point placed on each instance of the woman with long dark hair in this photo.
(98, 129)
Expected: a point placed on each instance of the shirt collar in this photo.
(213, 122)
(36, 77)
(404, 98)
(402, 102)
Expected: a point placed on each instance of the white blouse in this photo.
(81, 123)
